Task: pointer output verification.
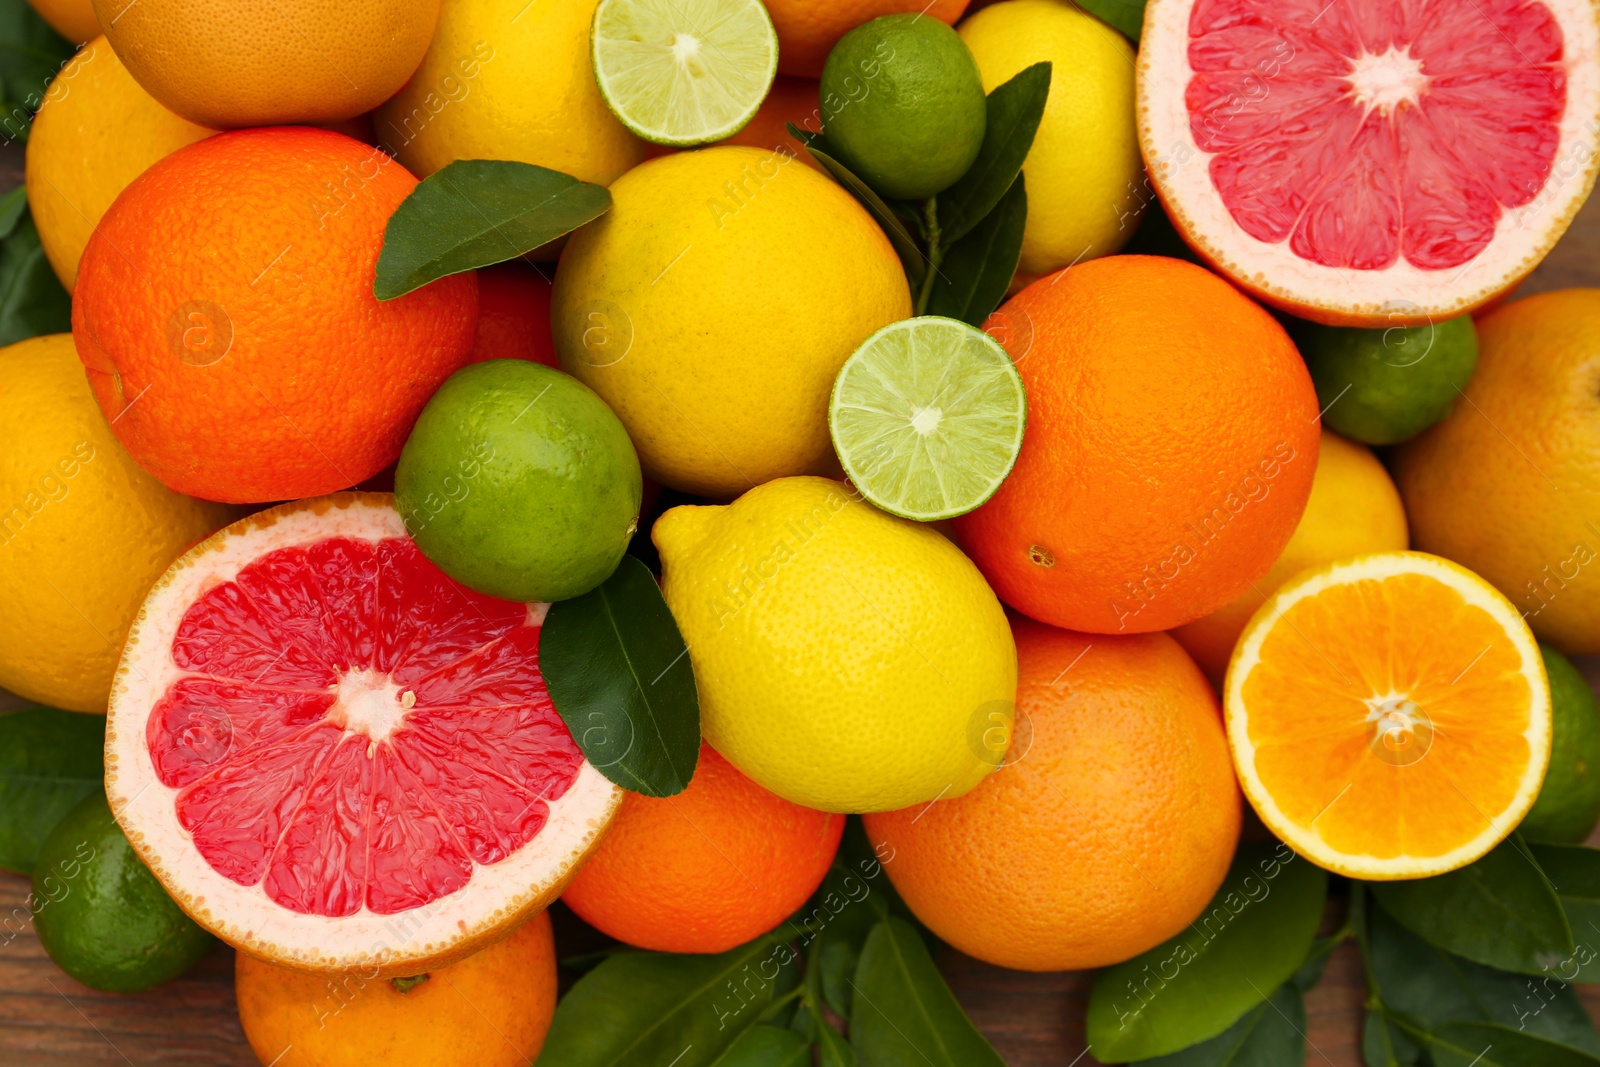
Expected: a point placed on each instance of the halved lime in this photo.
(927, 417)
(684, 72)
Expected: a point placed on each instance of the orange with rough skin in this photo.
(1106, 831)
(720, 863)
(808, 29)
(1171, 444)
(72, 19)
(790, 99)
(225, 312)
(492, 1009)
(514, 315)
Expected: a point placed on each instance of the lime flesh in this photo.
(684, 72)
(927, 418)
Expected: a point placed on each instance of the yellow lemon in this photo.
(847, 660)
(508, 79)
(1354, 509)
(1084, 174)
(713, 306)
(97, 131)
(84, 532)
(72, 19)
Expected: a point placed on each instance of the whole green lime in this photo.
(519, 482)
(903, 105)
(1384, 386)
(1568, 806)
(101, 914)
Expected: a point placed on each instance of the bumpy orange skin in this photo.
(1107, 831)
(720, 863)
(1170, 449)
(492, 1009)
(224, 311)
(514, 315)
(808, 29)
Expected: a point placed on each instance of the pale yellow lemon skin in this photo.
(72, 19)
(713, 306)
(1354, 508)
(84, 532)
(847, 660)
(506, 79)
(97, 131)
(269, 62)
(1084, 175)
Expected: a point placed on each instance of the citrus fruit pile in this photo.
(736, 470)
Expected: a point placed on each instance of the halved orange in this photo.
(1389, 715)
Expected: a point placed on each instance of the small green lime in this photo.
(903, 105)
(519, 482)
(1568, 806)
(1384, 386)
(101, 914)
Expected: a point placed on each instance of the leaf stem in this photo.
(930, 227)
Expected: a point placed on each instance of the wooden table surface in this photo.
(1034, 1020)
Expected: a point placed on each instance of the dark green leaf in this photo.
(832, 1049)
(1014, 111)
(12, 207)
(1383, 1044)
(1490, 1045)
(49, 761)
(1574, 871)
(1431, 988)
(30, 55)
(904, 1012)
(1271, 1034)
(652, 1007)
(1310, 972)
(1124, 15)
(766, 1046)
(476, 212)
(619, 674)
(806, 137)
(911, 256)
(1251, 938)
(32, 301)
(1499, 911)
(976, 272)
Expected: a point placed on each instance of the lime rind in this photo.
(684, 72)
(927, 418)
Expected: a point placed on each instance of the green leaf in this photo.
(32, 301)
(477, 212)
(654, 1007)
(832, 1049)
(1252, 937)
(1014, 111)
(1491, 1045)
(1574, 871)
(12, 207)
(1499, 911)
(1310, 972)
(911, 255)
(619, 674)
(1272, 1034)
(766, 1046)
(1430, 988)
(30, 55)
(904, 1012)
(976, 271)
(49, 761)
(1383, 1044)
(1124, 15)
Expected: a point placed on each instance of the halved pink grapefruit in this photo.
(1371, 162)
(334, 757)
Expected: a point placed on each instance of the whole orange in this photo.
(1170, 448)
(514, 315)
(1106, 831)
(491, 1009)
(224, 310)
(720, 863)
(808, 29)
(790, 99)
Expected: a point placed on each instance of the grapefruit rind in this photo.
(492, 904)
(1377, 566)
(1399, 295)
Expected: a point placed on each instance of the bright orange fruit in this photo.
(808, 29)
(514, 315)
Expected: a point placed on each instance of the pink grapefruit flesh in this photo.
(334, 756)
(1371, 162)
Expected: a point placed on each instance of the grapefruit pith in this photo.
(335, 757)
(1366, 162)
